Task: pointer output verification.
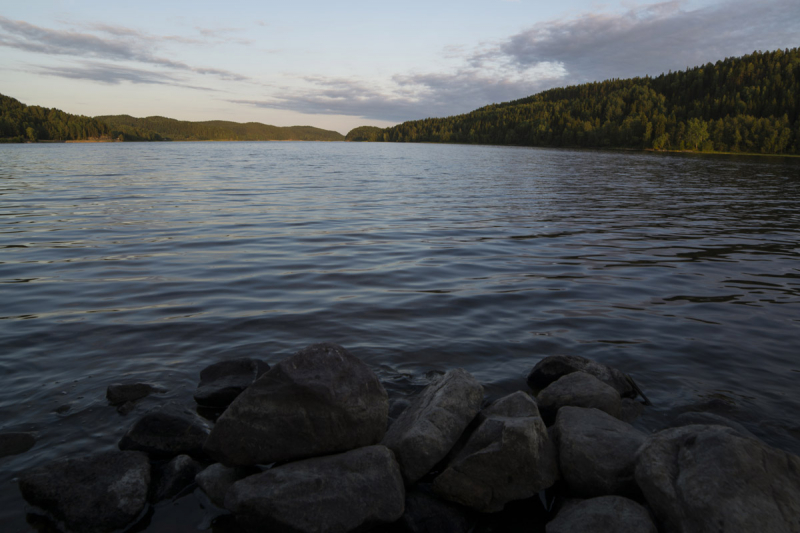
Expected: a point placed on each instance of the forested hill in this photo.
(22, 123)
(745, 104)
(215, 130)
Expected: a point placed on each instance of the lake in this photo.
(147, 262)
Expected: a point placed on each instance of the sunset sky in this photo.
(337, 65)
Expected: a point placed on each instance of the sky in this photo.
(338, 65)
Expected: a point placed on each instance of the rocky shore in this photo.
(314, 443)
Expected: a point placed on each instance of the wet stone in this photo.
(16, 443)
(119, 393)
(222, 382)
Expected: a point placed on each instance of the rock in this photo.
(578, 389)
(218, 478)
(508, 457)
(166, 432)
(554, 367)
(126, 408)
(15, 443)
(708, 419)
(319, 401)
(606, 514)
(119, 393)
(98, 493)
(222, 382)
(350, 491)
(711, 478)
(175, 476)
(630, 410)
(597, 452)
(431, 425)
(427, 514)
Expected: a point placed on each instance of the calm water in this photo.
(150, 261)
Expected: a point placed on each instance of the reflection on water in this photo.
(149, 261)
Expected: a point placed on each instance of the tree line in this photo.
(24, 123)
(743, 104)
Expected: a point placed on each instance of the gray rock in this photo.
(578, 389)
(707, 419)
(711, 478)
(15, 443)
(166, 432)
(222, 382)
(94, 494)
(337, 493)
(597, 452)
(630, 410)
(119, 393)
(427, 514)
(175, 477)
(508, 457)
(218, 478)
(319, 401)
(606, 514)
(431, 425)
(554, 367)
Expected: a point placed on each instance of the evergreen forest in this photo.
(24, 123)
(745, 104)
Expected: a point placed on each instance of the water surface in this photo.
(149, 261)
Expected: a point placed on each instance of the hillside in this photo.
(745, 104)
(161, 128)
(24, 123)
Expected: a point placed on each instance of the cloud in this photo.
(644, 40)
(406, 96)
(115, 74)
(652, 39)
(124, 45)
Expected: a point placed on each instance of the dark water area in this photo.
(147, 262)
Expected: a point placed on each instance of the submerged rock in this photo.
(222, 382)
(16, 443)
(166, 432)
(606, 514)
(597, 452)
(578, 389)
(712, 478)
(95, 494)
(691, 418)
(175, 477)
(218, 478)
(337, 493)
(319, 401)
(428, 428)
(508, 457)
(555, 367)
(119, 393)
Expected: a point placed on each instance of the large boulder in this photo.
(166, 432)
(605, 514)
(428, 428)
(14, 443)
(319, 401)
(508, 457)
(597, 452)
(350, 491)
(712, 478)
(218, 478)
(175, 477)
(555, 367)
(94, 494)
(222, 382)
(578, 389)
